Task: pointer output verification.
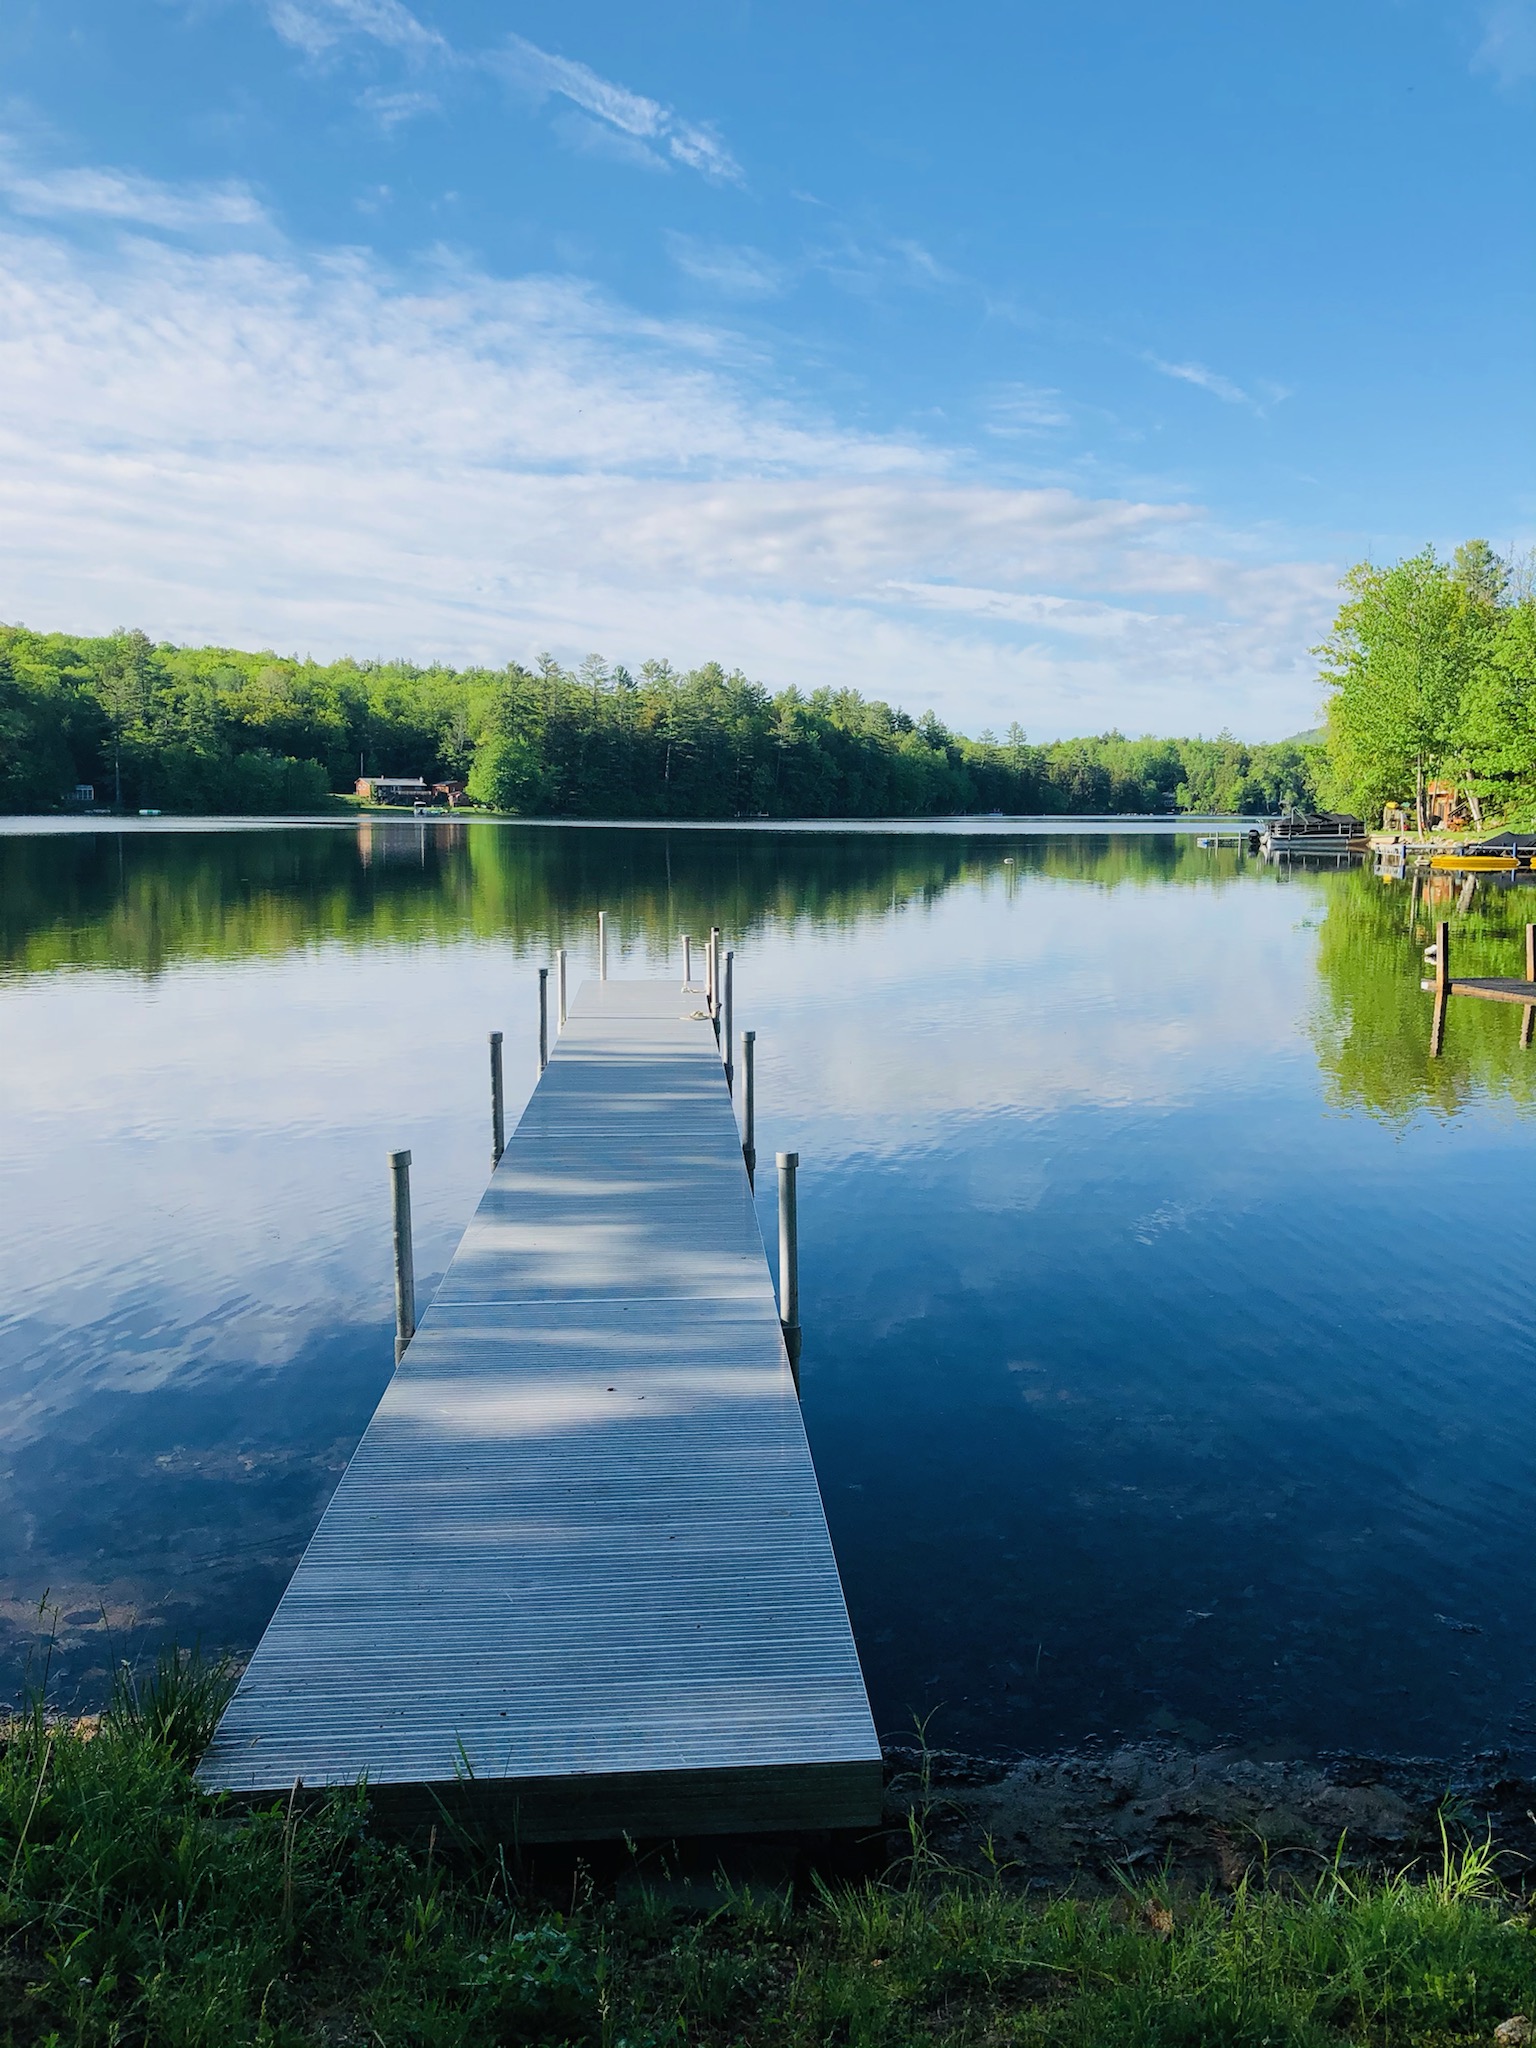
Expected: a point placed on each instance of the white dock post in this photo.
(543, 1018)
(687, 961)
(602, 945)
(714, 979)
(789, 1261)
(405, 1266)
(749, 1142)
(498, 1104)
(560, 985)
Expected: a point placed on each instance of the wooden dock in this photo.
(576, 1581)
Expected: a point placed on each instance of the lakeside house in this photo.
(408, 789)
(394, 789)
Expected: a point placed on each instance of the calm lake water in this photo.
(1169, 1313)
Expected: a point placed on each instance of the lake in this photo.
(1168, 1310)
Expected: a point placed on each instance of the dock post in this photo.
(602, 945)
(749, 1087)
(729, 1044)
(560, 986)
(543, 1018)
(1528, 1015)
(714, 979)
(405, 1265)
(1442, 990)
(789, 1261)
(687, 960)
(498, 1104)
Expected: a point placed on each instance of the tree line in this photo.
(1431, 670)
(217, 729)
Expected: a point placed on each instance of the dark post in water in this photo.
(1442, 989)
(789, 1261)
(405, 1268)
(749, 1142)
(543, 1018)
(498, 1104)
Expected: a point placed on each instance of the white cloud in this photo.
(1508, 46)
(106, 194)
(261, 450)
(389, 109)
(1260, 401)
(608, 116)
(1027, 409)
(649, 124)
(727, 267)
(866, 266)
(316, 26)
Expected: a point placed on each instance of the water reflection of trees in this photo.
(1371, 1025)
(144, 901)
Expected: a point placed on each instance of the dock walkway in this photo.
(576, 1580)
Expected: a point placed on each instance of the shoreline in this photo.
(1086, 1819)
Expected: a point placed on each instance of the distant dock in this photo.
(576, 1581)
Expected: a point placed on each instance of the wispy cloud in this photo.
(868, 264)
(1508, 46)
(603, 115)
(736, 271)
(647, 122)
(107, 194)
(390, 109)
(1220, 387)
(1027, 409)
(317, 26)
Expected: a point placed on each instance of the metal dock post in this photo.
(498, 1103)
(728, 1041)
(789, 1260)
(749, 1142)
(405, 1265)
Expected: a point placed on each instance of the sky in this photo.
(1034, 363)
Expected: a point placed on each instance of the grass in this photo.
(133, 1910)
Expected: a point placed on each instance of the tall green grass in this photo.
(135, 1911)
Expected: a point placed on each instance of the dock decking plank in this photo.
(1495, 988)
(577, 1577)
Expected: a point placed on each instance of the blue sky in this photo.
(1039, 362)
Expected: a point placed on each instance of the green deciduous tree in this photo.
(1432, 667)
(1396, 662)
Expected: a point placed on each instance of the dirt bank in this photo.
(1080, 1818)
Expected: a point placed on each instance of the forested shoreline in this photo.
(1429, 672)
(214, 729)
